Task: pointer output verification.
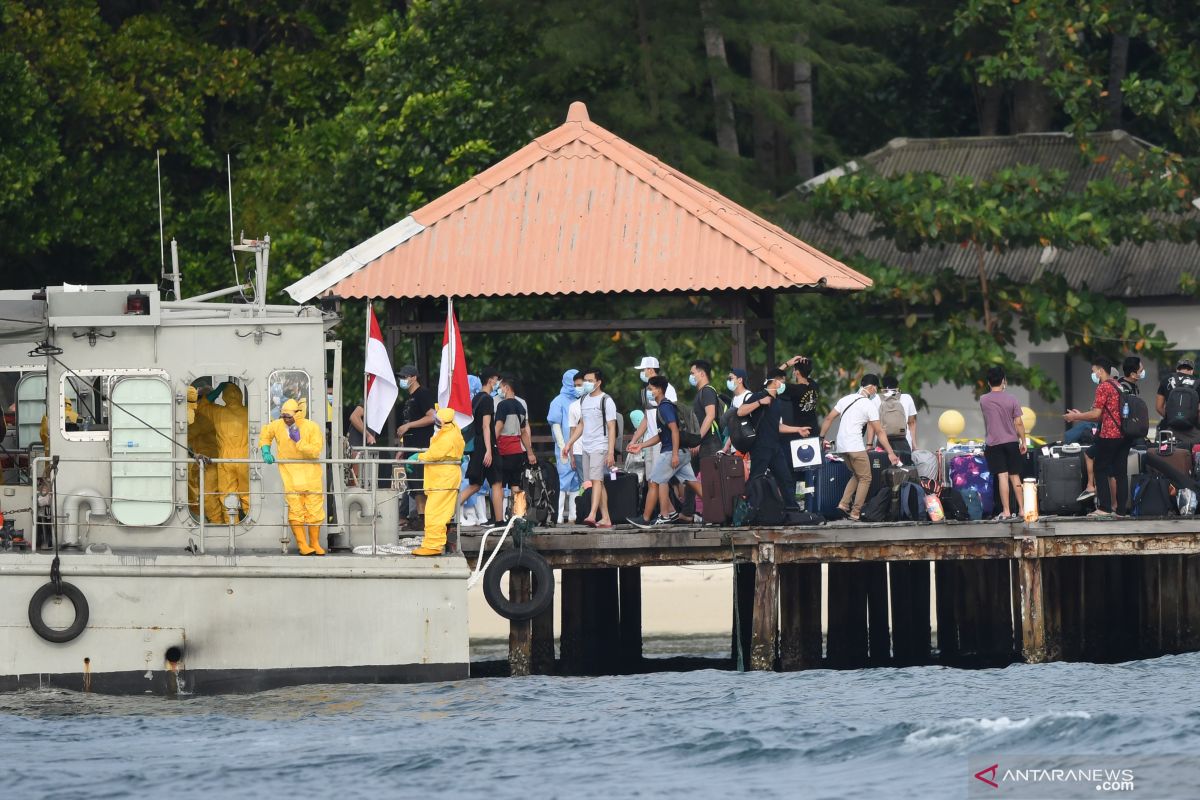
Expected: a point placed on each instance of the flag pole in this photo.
(451, 337)
(366, 375)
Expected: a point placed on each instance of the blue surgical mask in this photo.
(650, 396)
(496, 392)
(1142, 375)
(581, 390)
(329, 397)
(643, 376)
(587, 388)
(692, 380)
(731, 386)
(1095, 379)
(780, 388)
(404, 384)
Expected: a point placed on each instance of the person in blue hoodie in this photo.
(560, 426)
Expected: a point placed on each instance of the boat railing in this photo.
(43, 464)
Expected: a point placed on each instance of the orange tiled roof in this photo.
(580, 211)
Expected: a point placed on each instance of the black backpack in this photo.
(540, 484)
(685, 418)
(1151, 496)
(1135, 421)
(882, 506)
(953, 505)
(764, 501)
(742, 431)
(912, 502)
(1182, 406)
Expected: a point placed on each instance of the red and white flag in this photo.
(381, 381)
(454, 391)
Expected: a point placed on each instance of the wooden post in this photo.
(542, 649)
(1052, 608)
(1191, 604)
(1171, 600)
(800, 616)
(879, 635)
(1070, 574)
(911, 632)
(743, 611)
(1032, 619)
(1150, 642)
(630, 587)
(765, 641)
(970, 597)
(996, 642)
(847, 636)
(737, 331)
(573, 635)
(520, 634)
(604, 622)
(945, 575)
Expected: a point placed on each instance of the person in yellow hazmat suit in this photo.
(202, 441)
(442, 482)
(299, 439)
(232, 422)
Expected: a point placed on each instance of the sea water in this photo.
(815, 734)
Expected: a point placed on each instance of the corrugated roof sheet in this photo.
(579, 211)
(1128, 270)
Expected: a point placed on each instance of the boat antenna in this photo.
(229, 174)
(162, 242)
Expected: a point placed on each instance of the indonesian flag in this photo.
(454, 391)
(381, 381)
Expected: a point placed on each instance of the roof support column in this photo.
(737, 312)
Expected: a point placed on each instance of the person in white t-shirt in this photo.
(858, 415)
(735, 382)
(647, 369)
(597, 432)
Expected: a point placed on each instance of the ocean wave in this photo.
(967, 730)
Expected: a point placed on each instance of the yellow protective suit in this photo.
(233, 441)
(302, 482)
(202, 441)
(442, 482)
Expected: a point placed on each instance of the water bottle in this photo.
(800, 493)
(1125, 410)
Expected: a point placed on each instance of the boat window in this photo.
(208, 423)
(85, 397)
(288, 384)
(143, 484)
(31, 408)
(14, 458)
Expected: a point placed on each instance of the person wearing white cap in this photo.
(648, 429)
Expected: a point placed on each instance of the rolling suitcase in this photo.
(1062, 480)
(722, 482)
(831, 480)
(970, 471)
(622, 497)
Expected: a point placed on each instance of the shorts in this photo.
(477, 473)
(662, 472)
(594, 466)
(1004, 457)
(511, 468)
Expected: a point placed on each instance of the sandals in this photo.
(1101, 514)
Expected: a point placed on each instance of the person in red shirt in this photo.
(1112, 448)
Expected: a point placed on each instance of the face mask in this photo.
(581, 390)
(1095, 379)
(643, 376)
(329, 397)
(779, 389)
(1142, 375)
(890, 393)
(404, 384)
(650, 396)
(587, 388)
(730, 385)
(692, 380)
(496, 392)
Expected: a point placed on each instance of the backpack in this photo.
(718, 423)
(742, 431)
(912, 502)
(883, 506)
(1135, 416)
(953, 505)
(763, 502)
(892, 417)
(974, 503)
(1182, 406)
(541, 501)
(1151, 496)
(689, 428)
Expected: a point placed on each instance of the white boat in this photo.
(149, 595)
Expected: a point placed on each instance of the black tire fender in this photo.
(38, 601)
(541, 596)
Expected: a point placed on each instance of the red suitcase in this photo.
(722, 482)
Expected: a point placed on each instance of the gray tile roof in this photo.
(1129, 270)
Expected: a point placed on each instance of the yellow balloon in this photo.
(951, 423)
(1028, 419)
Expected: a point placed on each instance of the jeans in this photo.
(1112, 457)
(777, 460)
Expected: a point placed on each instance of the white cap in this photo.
(648, 362)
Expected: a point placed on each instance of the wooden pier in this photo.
(1062, 589)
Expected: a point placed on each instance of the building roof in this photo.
(1128, 270)
(577, 211)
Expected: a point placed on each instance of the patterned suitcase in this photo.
(970, 471)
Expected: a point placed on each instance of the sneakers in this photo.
(640, 522)
(1086, 494)
(670, 519)
(657, 522)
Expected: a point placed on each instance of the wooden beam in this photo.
(799, 616)
(847, 604)
(1052, 607)
(1191, 604)
(572, 638)
(542, 648)
(1031, 603)
(520, 633)
(743, 612)
(583, 325)
(911, 631)
(879, 639)
(764, 644)
(1171, 599)
(946, 587)
(630, 584)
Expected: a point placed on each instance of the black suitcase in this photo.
(723, 481)
(1062, 480)
(622, 494)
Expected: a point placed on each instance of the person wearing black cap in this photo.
(768, 452)
(417, 429)
(1178, 399)
(858, 412)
